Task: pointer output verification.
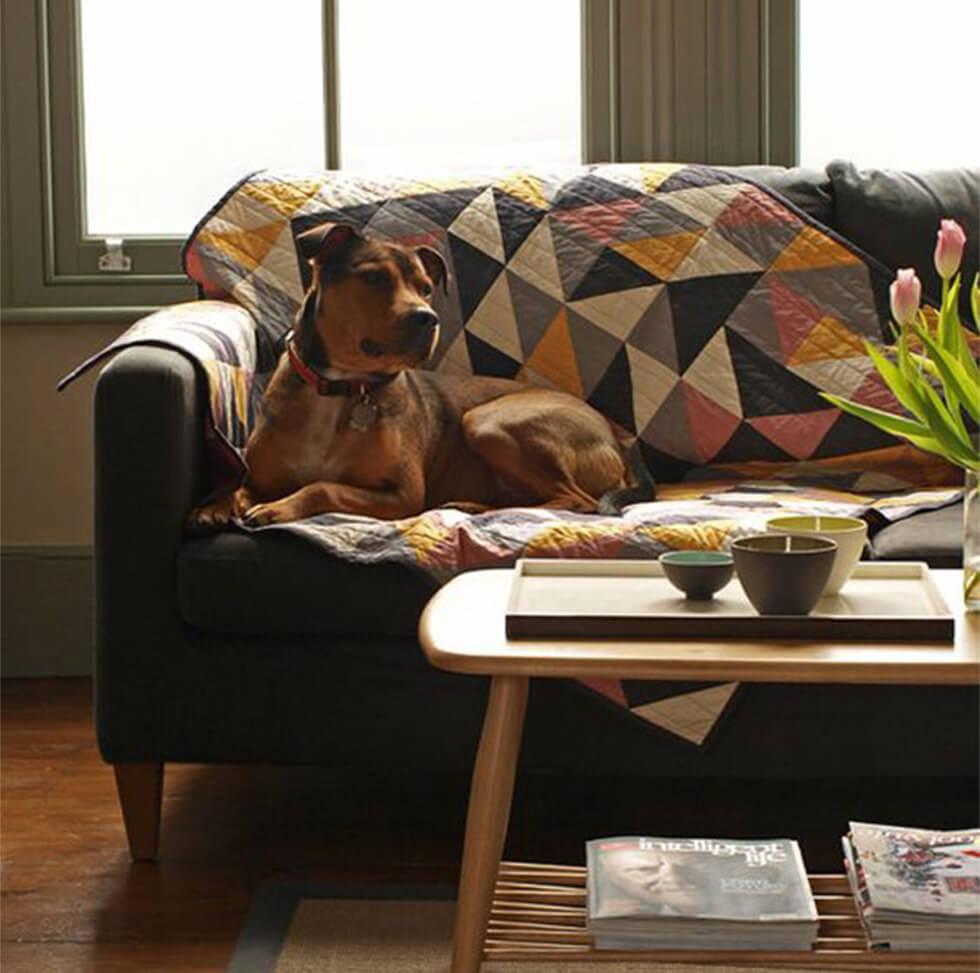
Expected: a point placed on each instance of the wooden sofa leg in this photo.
(140, 788)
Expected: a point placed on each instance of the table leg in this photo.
(486, 819)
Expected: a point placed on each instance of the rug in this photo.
(311, 928)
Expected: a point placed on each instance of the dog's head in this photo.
(371, 299)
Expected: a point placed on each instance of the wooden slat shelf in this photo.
(538, 913)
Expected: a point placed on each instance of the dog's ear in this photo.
(326, 242)
(435, 266)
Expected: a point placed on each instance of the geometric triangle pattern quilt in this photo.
(701, 313)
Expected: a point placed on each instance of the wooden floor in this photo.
(73, 902)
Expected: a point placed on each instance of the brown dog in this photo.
(349, 426)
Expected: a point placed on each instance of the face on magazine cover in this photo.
(656, 880)
(689, 886)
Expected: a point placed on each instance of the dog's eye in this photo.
(426, 290)
(376, 278)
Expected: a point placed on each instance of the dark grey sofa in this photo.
(259, 649)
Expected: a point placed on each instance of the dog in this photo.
(349, 425)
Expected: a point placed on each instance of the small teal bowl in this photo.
(699, 574)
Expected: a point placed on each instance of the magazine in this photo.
(915, 889)
(914, 870)
(676, 893)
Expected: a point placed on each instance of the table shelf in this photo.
(538, 913)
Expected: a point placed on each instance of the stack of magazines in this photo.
(915, 889)
(698, 893)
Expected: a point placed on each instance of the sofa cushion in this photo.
(277, 583)
(895, 216)
(935, 536)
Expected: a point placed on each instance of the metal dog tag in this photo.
(363, 414)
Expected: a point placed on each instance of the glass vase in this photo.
(971, 542)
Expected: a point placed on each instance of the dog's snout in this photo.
(422, 319)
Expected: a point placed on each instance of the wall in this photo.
(46, 444)
(46, 498)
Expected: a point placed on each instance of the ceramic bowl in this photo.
(848, 533)
(783, 575)
(699, 574)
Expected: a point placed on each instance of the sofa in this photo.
(238, 648)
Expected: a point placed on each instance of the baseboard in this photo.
(45, 611)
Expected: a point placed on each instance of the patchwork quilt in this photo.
(701, 313)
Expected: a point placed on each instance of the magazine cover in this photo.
(698, 878)
(914, 870)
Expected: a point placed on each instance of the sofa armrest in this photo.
(150, 408)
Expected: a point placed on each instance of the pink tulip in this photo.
(949, 248)
(905, 293)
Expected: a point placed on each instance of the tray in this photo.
(893, 601)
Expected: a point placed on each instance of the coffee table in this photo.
(511, 911)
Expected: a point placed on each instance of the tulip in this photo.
(949, 248)
(905, 293)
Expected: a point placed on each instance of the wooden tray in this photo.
(882, 602)
(538, 913)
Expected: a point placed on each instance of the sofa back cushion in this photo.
(894, 216)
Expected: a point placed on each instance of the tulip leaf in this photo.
(926, 365)
(930, 445)
(914, 432)
(970, 364)
(956, 382)
(949, 431)
(975, 300)
(950, 334)
(901, 384)
(886, 421)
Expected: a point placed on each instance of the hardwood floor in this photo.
(73, 902)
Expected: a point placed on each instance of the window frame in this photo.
(51, 267)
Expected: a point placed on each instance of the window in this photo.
(888, 85)
(182, 98)
(130, 119)
(459, 84)
(229, 86)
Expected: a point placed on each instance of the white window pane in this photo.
(889, 83)
(437, 85)
(184, 97)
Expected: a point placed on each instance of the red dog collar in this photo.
(330, 386)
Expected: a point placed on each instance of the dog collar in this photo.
(331, 386)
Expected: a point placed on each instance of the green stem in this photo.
(971, 569)
(971, 583)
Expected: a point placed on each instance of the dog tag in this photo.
(363, 414)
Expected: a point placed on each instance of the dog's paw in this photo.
(209, 517)
(263, 514)
(216, 515)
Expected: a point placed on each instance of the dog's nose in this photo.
(422, 319)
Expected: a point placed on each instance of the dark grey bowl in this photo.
(699, 574)
(783, 575)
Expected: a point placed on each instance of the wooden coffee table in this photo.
(508, 911)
